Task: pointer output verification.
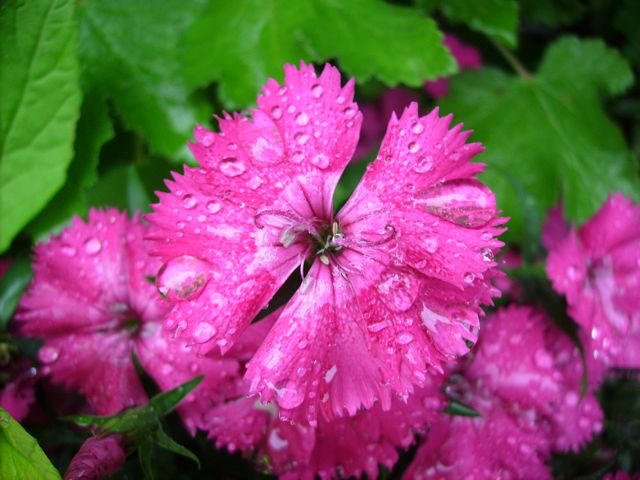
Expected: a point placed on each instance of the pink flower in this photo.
(597, 267)
(17, 396)
(466, 56)
(97, 458)
(495, 445)
(375, 117)
(396, 277)
(347, 446)
(555, 228)
(93, 305)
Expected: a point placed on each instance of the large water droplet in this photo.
(276, 442)
(214, 207)
(302, 119)
(48, 354)
(255, 183)
(189, 201)
(183, 277)
(414, 147)
(204, 332)
(464, 202)
(329, 374)
(424, 164)
(301, 138)
(397, 289)
(349, 112)
(276, 112)
(290, 396)
(487, 254)
(417, 128)
(92, 246)
(232, 167)
(469, 278)
(320, 160)
(317, 91)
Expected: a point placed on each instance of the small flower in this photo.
(597, 267)
(92, 303)
(97, 458)
(396, 278)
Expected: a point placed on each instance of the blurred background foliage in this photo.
(99, 98)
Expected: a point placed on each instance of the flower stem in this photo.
(513, 61)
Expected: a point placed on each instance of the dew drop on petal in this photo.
(302, 119)
(189, 201)
(320, 160)
(290, 396)
(424, 164)
(349, 112)
(182, 277)
(214, 207)
(92, 246)
(487, 254)
(68, 250)
(48, 354)
(414, 147)
(404, 338)
(232, 167)
(316, 91)
(301, 138)
(204, 332)
(207, 139)
(572, 399)
(296, 157)
(464, 202)
(431, 244)
(543, 359)
(397, 289)
(469, 278)
(417, 128)
(255, 183)
(329, 374)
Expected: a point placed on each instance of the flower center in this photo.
(328, 241)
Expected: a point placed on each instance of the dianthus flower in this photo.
(524, 380)
(92, 303)
(466, 56)
(597, 267)
(396, 278)
(344, 447)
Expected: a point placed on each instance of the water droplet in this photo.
(189, 201)
(414, 147)
(340, 99)
(349, 112)
(424, 164)
(213, 207)
(204, 332)
(302, 119)
(464, 202)
(276, 112)
(202, 218)
(572, 273)
(317, 91)
(290, 396)
(469, 278)
(92, 246)
(329, 374)
(301, 138)
(487, 254)
(48, 354)
(255, 183)
(291, 108)
(276, 442)
(207, 139)
(232, 167)
(378, 326)
(404, 338)
(183, 277)
(320, 160)
(571, 399)
(397, 289)
(417, 128)
(431, 244)
(543, 359)
(68, 250)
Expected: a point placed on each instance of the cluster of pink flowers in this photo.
(359, 362)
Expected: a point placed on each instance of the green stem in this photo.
(513, 61)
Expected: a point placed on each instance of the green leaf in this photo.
(137, 422)
(460, 409)
(12, 284)
(129, 52)
(20, 455)
(94, 130)
(495, 18)
(145, 450)
(548, 137)
(39, 108)
(168, 443)
(242, 43)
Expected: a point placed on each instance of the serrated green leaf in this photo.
(495, 18)
(94, 129)
(460, 409)
(548, 137)
(168, 443)
(129, 52)
(40, 105)
(20, 455)
(243, 43)
(12, 284)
